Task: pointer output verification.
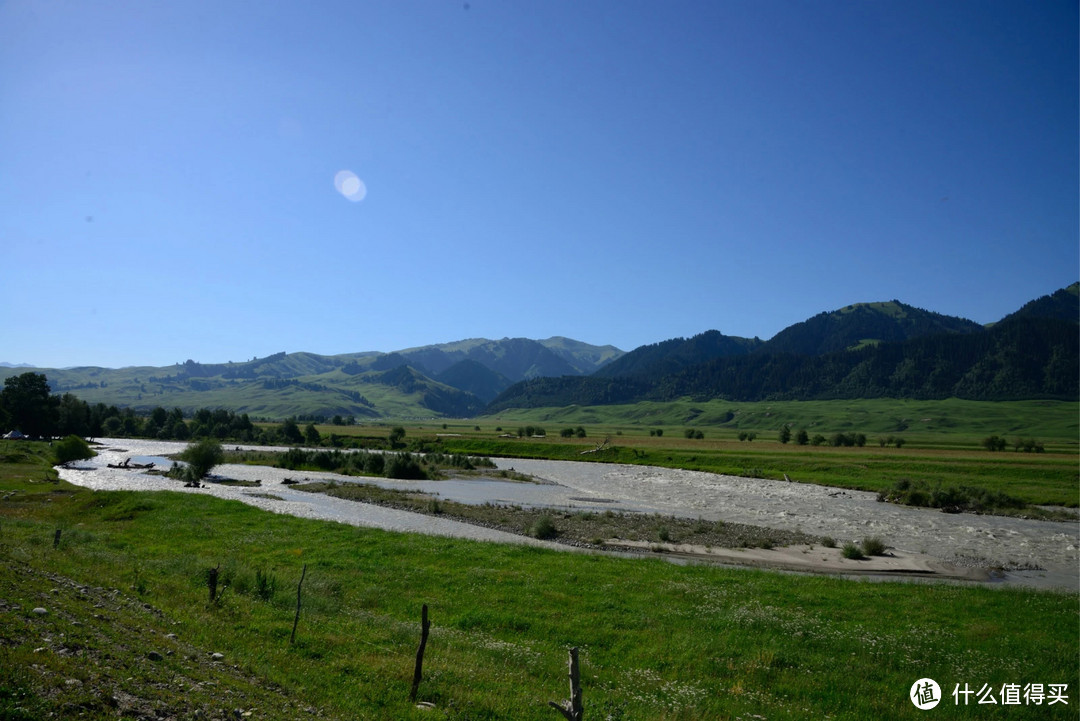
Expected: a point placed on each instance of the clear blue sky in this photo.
(613, 171)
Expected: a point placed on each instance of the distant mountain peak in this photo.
(861, 324)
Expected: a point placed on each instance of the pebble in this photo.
(155, 656)
(217, 656)
(40, 611)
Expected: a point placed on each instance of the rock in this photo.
(39, 611)
(217, 656)
(155, 656)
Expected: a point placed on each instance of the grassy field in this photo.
(943, 442)
(128, 629)
(945, 423)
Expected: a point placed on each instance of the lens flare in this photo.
(349, 185)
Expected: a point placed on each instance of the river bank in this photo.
(1021, 551)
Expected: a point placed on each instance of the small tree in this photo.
(311, 435)
(396, 437)
(201, 457)
(785, 434)
(290, 432)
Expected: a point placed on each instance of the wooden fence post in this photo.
(425, 625)
(211, 582)
(572, 709)
(296, 620)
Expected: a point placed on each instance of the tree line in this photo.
(28, 405)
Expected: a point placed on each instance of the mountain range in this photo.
(867, 350)
(864, 350)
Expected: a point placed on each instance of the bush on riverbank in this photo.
(952, 499)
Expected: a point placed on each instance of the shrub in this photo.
(543, 528)
(664, 534)
(265, 585)
(375, 464)
(850, 550)
(71, 449)
(202, 456)
(873, 546)
(828, 542)
(918, 498)
(405, 467)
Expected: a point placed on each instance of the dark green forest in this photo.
(1023, 357)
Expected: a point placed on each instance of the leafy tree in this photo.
(396, 437)
(311, 435)
(290, 432)
(73, 416)
(785, 434)
(802, 437)
(201, 457)
(29, 406)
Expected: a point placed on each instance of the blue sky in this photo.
(613, 171)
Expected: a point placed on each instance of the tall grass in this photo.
(658, 641)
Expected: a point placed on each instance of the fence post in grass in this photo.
(211, 582)
(572, 709)
(425, 625)
(56, 539)
(296, 620)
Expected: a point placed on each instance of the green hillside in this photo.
(400, 384)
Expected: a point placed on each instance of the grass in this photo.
(1047, 478)
(608, 528)
(657, 640)
(943, 441)
(941, 422)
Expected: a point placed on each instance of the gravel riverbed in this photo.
(1034, 552)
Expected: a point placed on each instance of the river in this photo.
(1041, 553)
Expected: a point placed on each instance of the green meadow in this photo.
(942, 441)
(129, 629)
